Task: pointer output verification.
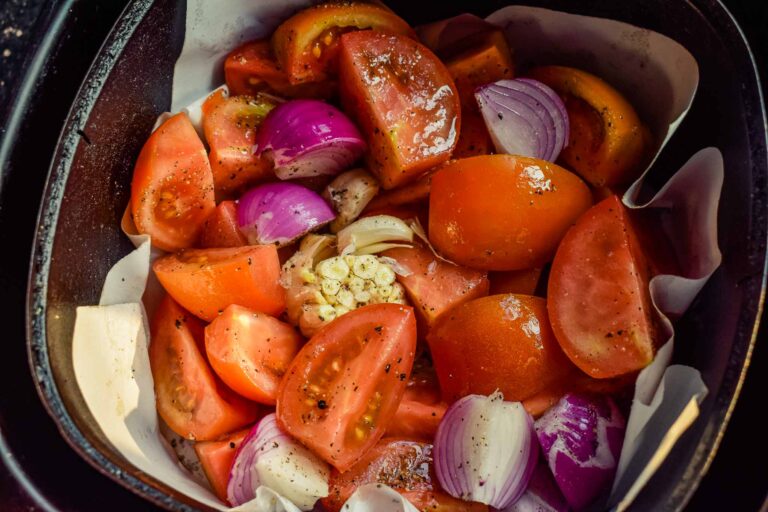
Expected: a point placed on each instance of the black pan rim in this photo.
(107, 57)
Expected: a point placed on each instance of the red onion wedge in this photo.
(542, 495)
(308, 138)
(279, 213)
(581, 438)
(485, 450)
(377, 498)
(270, 457)
(524, 117)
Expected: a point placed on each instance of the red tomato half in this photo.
(172, 187)
(404, 99)
(250, 351)
(216, 458)
(435, 286)
(190, 399)
(501, 342)
(404, 465)
(221, 228)
(599, 301)
(343, 388)
(230, 125)
(205, 281)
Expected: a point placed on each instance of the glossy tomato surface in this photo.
(343, 388)
(230, 124)
(190, 398)
(250, 351)
(500, 342)
(435, 286)
(503, 212)
(406, 466)
(172, 189)
(404, 99)
(599, 301)
(205, 281)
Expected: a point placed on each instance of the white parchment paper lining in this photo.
(658, 76)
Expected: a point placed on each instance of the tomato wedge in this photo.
(216, 458)
(250, 351)
(599, 301)
(500, 342)
(608, 141)
(405, 101)
(406, 466)
(205, 281)
(343, 388)
(190, 399)
(435, 286)
(172, 187)
(422, 408)
(521, 282)
(230, 125)
(251, 69)
(306, 45)
(221, 229)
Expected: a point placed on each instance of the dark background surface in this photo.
(38, 470)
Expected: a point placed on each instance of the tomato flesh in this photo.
(599, 300)
(221, 229)
(306, 45)
(205, 281)
(406, 466)
(172, 187)
(190, 399)
(503, 212)
(521, 282)
(435, 286)
(500, 342)
(251, 69)
(405, 101)
(230, 125)
(343, 388)
(216, 458)
(422, 408)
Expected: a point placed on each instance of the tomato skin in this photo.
(306, 45)
(475, 139)
(403, 98)
(408, 194)
(251, 68)
(250, 351)
(221, 229)
(511, 345)
(599, 300)
(521, 282)
(205, 281)
(435, 286)
(532, 204)
(404, 464)
(190, 399)
(216, 458)
(608, 142)
(172, 186)
(343, 388)
(230, 125)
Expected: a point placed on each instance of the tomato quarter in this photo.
(599, 301)
(343, 388)
(221, 228)
(172, 187)
(205, 281)
(405, 101)
(190, 399)
(251, 351)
